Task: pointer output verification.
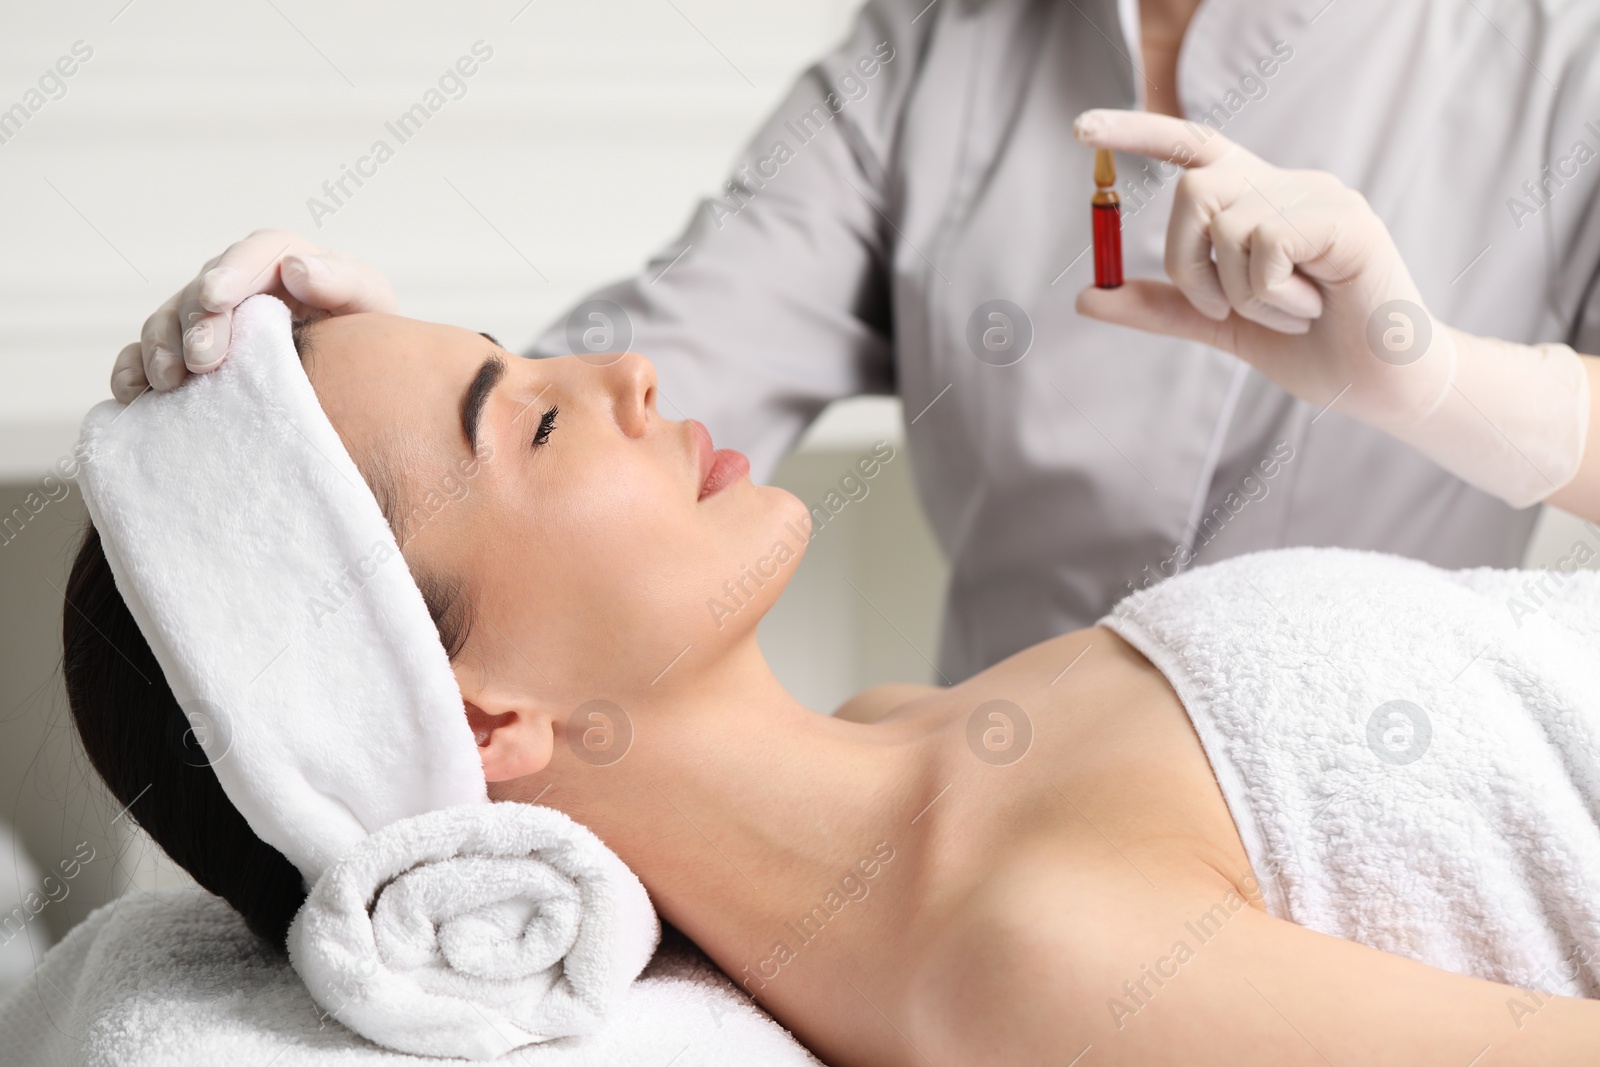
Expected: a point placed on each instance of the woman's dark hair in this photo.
(143, 745)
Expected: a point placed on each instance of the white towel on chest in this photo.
(1411, 755)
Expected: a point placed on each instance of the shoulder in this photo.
(881, 701)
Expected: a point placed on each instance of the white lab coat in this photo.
(855, 247)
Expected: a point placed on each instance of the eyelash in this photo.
(547, 423)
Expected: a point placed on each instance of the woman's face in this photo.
(579, 526)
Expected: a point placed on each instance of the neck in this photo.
(1165, 20)
(1162, 25)
(740, 809)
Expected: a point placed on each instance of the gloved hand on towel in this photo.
(471, 931)
(191, 332)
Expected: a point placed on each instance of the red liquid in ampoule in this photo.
(1107, 245)
(1107, 222)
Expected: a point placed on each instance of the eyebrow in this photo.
(488, 376)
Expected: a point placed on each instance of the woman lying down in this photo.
(1302, 807)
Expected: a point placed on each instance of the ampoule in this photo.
(1107, 222)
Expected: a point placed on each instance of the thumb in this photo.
(1156, 307)
(337, 284)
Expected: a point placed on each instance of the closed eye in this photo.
(547, 423)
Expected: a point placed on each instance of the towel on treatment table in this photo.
(1411, 755)
(173, 978)
(470, 931)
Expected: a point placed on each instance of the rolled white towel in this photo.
(474, 930)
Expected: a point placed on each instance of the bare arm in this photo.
(1091, 964)
(1274, 992)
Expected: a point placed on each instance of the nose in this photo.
(632, 382)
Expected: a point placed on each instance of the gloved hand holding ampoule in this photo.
(1308, 286)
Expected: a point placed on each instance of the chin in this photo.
(774, 530)
(788, 513)
(767, 515)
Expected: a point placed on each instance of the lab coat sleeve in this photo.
(774, 300)
(1567, 189)
(1578, 284)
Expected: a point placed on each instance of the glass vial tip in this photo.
(1105, 168)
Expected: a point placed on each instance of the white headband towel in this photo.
(261, 571)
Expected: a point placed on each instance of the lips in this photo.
(718, 467)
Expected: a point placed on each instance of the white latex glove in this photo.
(191, 331)
(1307, 286)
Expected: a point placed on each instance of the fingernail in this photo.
(217, 287)
(309, 268)
(126, 381)
(163, 369)
(197, 343)
(1087, 125)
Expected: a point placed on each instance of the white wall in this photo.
(577, 148)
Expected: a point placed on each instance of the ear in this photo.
(514, 739)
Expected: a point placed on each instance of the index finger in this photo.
(1175, 140)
